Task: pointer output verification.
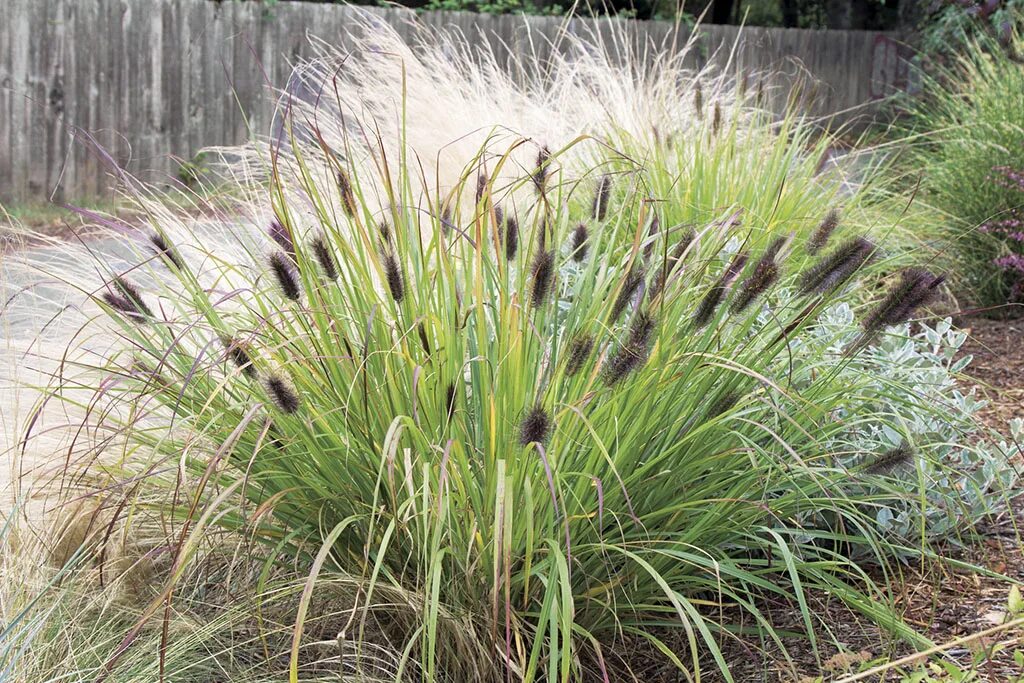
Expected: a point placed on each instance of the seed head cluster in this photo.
(282, 393)
(534, 427)
(633, 352)
(836, 267)
(280, 234)
(543, 269)
(819, 238)
(284, 272)
(325, 257)
(579, 351)
(579, 242)
(163, 249)
(602, 194)
(127, 300)
(709, 304)
(915, 288)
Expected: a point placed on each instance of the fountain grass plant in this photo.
(480, 424)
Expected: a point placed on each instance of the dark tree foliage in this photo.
(835, 14)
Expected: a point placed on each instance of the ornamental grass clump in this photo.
(510, 443)
(967, 135)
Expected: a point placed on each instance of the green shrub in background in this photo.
(506, 418)
(969, 156)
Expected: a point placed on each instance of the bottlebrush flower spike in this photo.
(766, 272)
(579, 351)
(325, 258)
(891, 459)
(543, 273)
(601, 196)
(540, 173)
(579, 243)
(511, 237)
(664, 269)
(915, 288)
(128, 301)
(535, 427)
(282, 393)
(238, 355)
(163, 249)
(708, 305)
(284, 273)
(348, 197)
(819, 238)
(633, 353)
(837, 267)
(634, 278)
(279, 233)
(481, 186)
(393, 275)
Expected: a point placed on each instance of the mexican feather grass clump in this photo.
(405, 418)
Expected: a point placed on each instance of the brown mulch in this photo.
(998, 367)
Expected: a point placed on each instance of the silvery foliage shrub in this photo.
(913, 377)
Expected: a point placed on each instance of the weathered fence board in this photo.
(155, 80)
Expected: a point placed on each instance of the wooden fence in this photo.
(155, 80)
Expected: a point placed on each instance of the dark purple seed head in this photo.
(716, 119)
(579, 243)
(446, 219)
(836, 267)
(819, 238)
(481, 186)
(916, 288)
(238, 355)
(634, 278)
(652, 232)
(601, 196)
(709, 304)
(282, 393)
(166, 251)
(131, 294)
(698, 99)
(540, 173)
(633, 352)
(764, 275)
(348, 197)
(534, 427)
(511, 237)
(578, 353)
(666, 268)
(891, 459)
(385, 234)
(450, 400)
(543, 273)
(393, 275)
(325, 257)
(280, 234)
(284, 273)
(123, 306)
(424, 342)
